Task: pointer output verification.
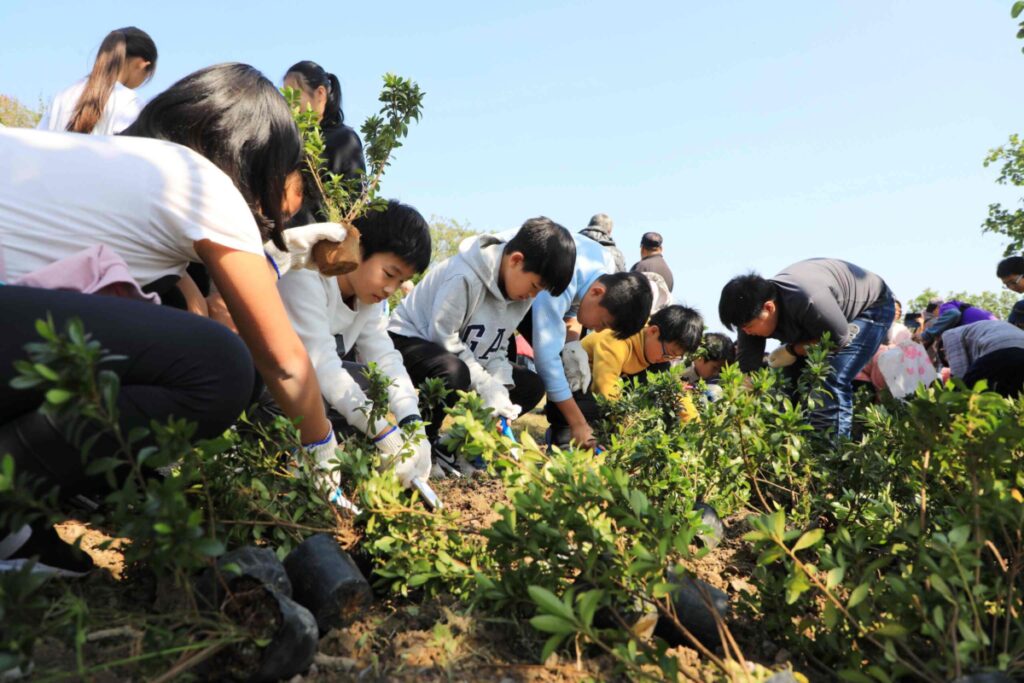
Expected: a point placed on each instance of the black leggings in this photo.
(425, 359)
(174, 364)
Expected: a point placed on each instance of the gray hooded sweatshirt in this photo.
(459, 305)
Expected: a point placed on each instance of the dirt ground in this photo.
(398, 640)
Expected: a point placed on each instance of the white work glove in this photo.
(300, 242)
(781, 357)
(409, 457)
(577, 366)
(324, 454)
(495, 396)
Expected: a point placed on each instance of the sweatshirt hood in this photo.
(483, 254)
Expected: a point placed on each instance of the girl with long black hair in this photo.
(105, 102)
(201, 176)
(343, 150)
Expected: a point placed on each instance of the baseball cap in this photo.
(651, 240)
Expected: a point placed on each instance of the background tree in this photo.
(16, 115)
(445, 236)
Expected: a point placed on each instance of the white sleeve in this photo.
(198, 201)
(376, 346)
(306, 300)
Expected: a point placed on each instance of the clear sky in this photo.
(749, 134)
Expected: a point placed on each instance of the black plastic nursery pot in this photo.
(328, 582)
(693, 612)
(716, 529)
(294, 645)
(248, 562)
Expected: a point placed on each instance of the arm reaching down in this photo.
(249, 290)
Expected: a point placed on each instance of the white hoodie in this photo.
(318, 313)
(459, 305)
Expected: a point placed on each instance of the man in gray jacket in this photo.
(798, 307)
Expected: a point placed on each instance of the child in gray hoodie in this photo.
(457, 322)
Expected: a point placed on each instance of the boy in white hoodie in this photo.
(457, 322)
(336, 316)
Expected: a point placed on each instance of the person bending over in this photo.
(671, 333)
(457, 322)
(797, 307)
(338, 316)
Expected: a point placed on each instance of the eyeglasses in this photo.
(666, 355)
(1010, 284)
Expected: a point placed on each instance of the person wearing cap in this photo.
(651, 258)
(600, 230)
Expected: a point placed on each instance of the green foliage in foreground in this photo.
(895, 556)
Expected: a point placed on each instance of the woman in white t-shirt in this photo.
(105, 102)
(216, 198)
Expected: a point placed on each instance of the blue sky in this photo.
(750, 135)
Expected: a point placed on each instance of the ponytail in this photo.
(312, 76)
(333, 114)
(114, 52)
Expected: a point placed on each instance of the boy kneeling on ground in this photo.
(671, 333)
(457, 322)
(340, 316)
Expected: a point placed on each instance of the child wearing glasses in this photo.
(670, 333)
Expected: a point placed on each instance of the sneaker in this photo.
(52, 556)
(445, 460)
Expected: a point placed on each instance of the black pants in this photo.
(174, 364)
(561, 435)
(1003, 369)
(425, 359)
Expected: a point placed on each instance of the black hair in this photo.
(718, 346)
(680, 325)
(628, 298)
(115, 50)
(548, 250)
(398, 229)
(1013, 265)
(312, 76)
(742, 299)
(235, 117)
(932, 306)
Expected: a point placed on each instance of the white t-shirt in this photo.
(148, 200)
(122, 108)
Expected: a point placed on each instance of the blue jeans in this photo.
(836, 410)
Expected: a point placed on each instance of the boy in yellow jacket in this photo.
(670, 333)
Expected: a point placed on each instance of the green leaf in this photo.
(588, 605)
(58, 396)
(210, 547)
(808, 539)
(549, 623)
(1017, 8)
(45, 372)
(891, 630)
(834, 577)
(854, 676)
(162, 528)
(858, 595)
(958, 536)
(550, 645)
(549, 602)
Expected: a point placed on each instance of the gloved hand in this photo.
(409, 457)
(495, 396)
(781, 357)
(577, 366)
(324, 454)
(300, 242)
